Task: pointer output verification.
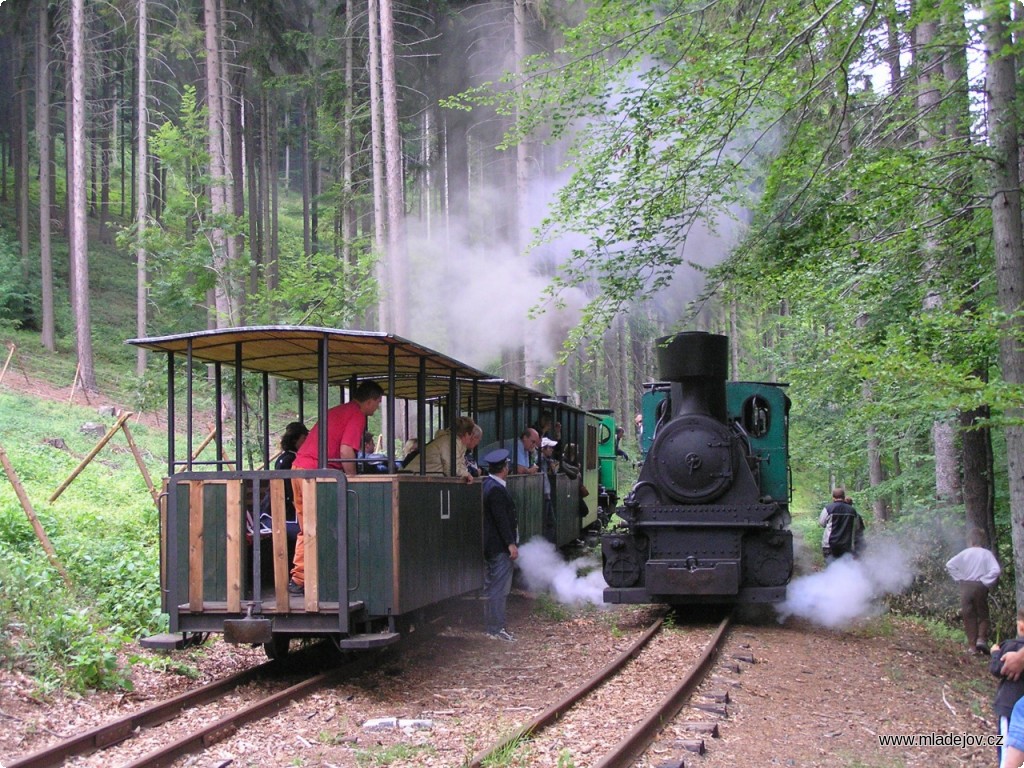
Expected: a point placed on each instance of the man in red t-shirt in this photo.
(346, 424)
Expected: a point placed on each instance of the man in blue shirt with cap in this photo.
(501, 537)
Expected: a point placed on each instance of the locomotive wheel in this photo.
(277, 648)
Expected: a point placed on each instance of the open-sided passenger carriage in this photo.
(379, 547)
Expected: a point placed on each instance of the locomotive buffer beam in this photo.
(704, 516)
(763, 524)
(672, 578)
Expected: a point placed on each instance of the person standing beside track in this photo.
(346, 424)
(843, 526)
(501, 539)
(975, 570)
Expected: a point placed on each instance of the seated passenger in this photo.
(291, 440)
(410, 452)
(438, 452)
(372, 461)
(523, 450)
(547, 427)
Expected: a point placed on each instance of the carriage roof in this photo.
(291, 352)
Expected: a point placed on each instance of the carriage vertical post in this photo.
(239, 404)
(171, 416)
(188, 402)
(265, 442)
(392, 400)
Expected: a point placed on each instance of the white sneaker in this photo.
(502, 634)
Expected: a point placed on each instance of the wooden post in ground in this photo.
(113, 431)
(74, 382)
(8, 361)
(142, 465)
(206, 442)
(30, 513)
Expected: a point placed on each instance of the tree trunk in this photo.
(347, 202)
(253, 151)
(48, 335)
(232, 282)
(930, 131)
(80, 241)
(22, 166)
(396, 255)
(223, 308)
(268, 181)
(876, 473)
(529, 350)
(105, 127)
(1009, 250)
(377, 153)
(307, 182)
(979, 497)
(234, 137)
(141, 186)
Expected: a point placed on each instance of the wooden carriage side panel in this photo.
(177, 540)
(463, 541)
(439, 541)
(234, 540)
(161, 505)
(396, 550)
(421, 506)
(214, 568)
(324, 550)
(279, 538)
(310, 532)
(565, 497)
(528, 494)
(195, 546)
(370, 553)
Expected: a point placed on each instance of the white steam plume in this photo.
(850, 589)
(544, 570)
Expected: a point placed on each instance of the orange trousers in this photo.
(299, 560)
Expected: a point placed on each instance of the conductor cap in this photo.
(496, 458)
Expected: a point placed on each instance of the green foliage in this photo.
(104, 530)
(19, 297)
(545, 605)
(390, 754)
(167, 663)
(49, 633)
(514, 753)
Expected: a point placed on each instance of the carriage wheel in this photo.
(277, 648)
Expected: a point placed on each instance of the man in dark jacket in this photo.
(501, 537)
(846, 525)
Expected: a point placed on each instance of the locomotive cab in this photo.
(706, 520)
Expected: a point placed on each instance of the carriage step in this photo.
(373, 640)
(170, 641)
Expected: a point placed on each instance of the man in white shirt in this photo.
(975, 569)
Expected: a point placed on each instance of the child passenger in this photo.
(1009, 691)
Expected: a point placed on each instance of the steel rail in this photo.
(559, 708)
(111, 733)
(636, 743)
(227, 725)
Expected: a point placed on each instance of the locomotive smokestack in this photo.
(697, 363)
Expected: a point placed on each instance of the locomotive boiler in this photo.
(707, 520)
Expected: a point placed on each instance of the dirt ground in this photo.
(813, 697)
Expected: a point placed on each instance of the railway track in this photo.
(269, 691)
(594, 701)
